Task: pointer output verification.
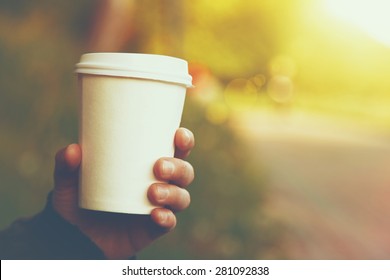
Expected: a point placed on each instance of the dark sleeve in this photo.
(46, 236)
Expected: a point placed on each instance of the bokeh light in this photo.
(371, 16)
(290, 109)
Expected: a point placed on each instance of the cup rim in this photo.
(136, 65)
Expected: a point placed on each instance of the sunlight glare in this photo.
(371, 16)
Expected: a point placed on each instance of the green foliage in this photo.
(38, 101)
(40, 42)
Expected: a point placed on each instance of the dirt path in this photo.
(329, 185)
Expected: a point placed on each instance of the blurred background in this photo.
(290, 113)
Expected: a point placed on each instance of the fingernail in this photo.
(162, 193)
(163, 217)
(187, 137)
(167, 168)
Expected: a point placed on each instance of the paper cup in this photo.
(131, 107)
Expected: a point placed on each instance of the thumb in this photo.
(67, 163)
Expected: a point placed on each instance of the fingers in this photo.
(184, 142)
(67, 162)
(164, 218)
(166, 195)
(175, 170)
(178, 172)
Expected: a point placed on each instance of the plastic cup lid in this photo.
(143, 66)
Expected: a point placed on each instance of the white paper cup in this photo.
(131, 107)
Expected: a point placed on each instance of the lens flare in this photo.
(371, 16)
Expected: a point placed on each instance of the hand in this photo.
(122, 235)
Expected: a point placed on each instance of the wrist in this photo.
(66, 239)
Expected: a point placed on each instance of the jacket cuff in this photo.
(46, 236)
(66, 240)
